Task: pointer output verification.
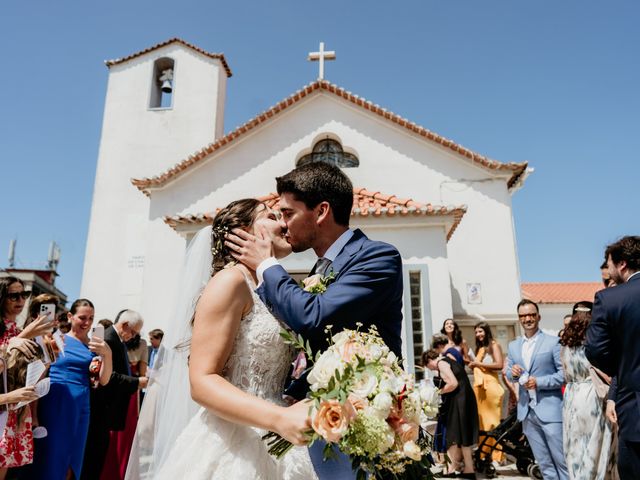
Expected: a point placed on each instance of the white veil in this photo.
(167, 406)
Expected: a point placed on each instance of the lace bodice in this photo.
(260, 359)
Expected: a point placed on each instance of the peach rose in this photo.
(408, 432)
(332, 419)
(348, 350)
(312, 281)
(358, 403)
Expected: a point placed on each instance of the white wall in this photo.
(137, 142)
(392, 161)
(552, 315)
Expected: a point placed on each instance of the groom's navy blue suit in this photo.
(612, 346)
(367, 289)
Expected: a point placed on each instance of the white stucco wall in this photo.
(138, 142)
(392, 161)
(552, 315)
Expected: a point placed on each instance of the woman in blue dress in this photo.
(64, 411)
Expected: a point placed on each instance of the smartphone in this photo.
(48, 309)
(98, 332)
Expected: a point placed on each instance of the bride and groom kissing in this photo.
(238, 363)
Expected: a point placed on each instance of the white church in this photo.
(166, 164)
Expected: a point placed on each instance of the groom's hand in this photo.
(249, 249)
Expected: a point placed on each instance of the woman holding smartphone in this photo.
(16, 442)
(60, 454)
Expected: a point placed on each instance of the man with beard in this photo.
(612, 345)
(363, 278)
(534, 362)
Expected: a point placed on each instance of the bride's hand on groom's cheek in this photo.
(296, 423)
(249, 249)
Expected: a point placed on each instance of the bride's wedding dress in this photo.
(211, 447)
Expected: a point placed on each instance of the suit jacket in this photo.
(612, 346)
(114, 397)
(546, 367)
(367, 289)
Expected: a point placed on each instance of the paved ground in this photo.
(507, 472)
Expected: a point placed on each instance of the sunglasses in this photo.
(14, 297)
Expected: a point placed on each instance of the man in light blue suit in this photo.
(316, 201)
(534, 362)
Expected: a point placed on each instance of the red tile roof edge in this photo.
(399, 207)
(560, 292)
(217, 56)
(144, 184)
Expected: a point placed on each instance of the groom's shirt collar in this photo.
(332, 252)
(336, 247)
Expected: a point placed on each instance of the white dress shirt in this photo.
(528, 346)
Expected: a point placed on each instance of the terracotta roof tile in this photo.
(365, 203)
(516, 169)
(564, 292)
(217, 56)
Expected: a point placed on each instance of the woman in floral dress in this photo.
(16, 443)
(588, 436)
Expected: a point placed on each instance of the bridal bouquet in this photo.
(368, 406)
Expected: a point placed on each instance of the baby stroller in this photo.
(507, 438)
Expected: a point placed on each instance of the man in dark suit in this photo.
(316, 201)
(109, 404)
(612, 345)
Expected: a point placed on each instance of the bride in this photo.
(237, 365)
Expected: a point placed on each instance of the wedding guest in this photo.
(48, 343)
(612, 345)
(105, 322)
(486, 383)
(60, 453)
(462, 412)
(587, 435)
(110, 404)
(442, 345)
(155, 339)
(451, 329)
(534, 361)
(16, 444)
(137, 353)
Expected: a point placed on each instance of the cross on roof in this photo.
(321, 56)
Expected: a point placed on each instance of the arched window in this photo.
(330, 151)
(162, 83)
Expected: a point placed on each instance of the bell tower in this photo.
(162, 104)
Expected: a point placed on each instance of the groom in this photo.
(316, 201)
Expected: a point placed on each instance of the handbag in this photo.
(600, 385)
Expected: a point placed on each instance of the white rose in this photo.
(411, 450)
(340, 339)
(365, 385)
(382, 404)
(324, 369)
(391, 357)
(390, 439)
(428, 393)
(375, 351)
(411, 407)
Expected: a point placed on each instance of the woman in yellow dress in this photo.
(486, 382)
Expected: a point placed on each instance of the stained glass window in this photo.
(330, 151)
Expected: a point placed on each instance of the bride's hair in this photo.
(238, 214)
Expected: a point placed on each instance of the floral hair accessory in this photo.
(220, 232)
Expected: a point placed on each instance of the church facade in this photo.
(165, 165)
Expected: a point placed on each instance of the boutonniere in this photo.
(317, 283)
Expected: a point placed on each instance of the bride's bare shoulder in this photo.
(227, 285)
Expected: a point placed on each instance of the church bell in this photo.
(166, 86)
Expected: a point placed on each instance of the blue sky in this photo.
(553, 83)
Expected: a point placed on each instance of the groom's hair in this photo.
(320, 182)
